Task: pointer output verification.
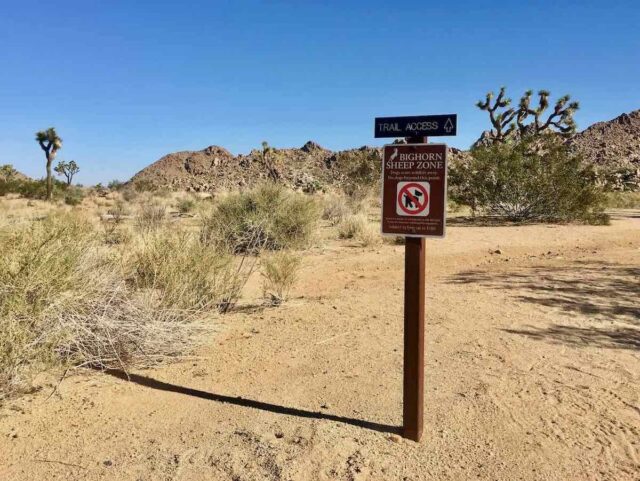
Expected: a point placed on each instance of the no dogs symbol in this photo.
(413, 198)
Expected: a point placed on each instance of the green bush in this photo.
(266, 217)
(8, 172)
(115, 185)
(73, 196)
(530, 180)
(360, 171)
(34, 189)
(623, 200)
(8, 186)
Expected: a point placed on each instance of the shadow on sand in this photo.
(250, 403)
(601, 291)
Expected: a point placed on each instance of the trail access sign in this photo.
(414, 190)
(416, 126)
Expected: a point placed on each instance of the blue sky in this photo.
(126, 82)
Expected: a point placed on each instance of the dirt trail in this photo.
(533, 373)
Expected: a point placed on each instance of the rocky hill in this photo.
(215, 168)
(614, 148)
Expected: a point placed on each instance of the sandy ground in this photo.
(532, 373)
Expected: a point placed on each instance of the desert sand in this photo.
(532, 373)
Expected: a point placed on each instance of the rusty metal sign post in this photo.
(414, 204)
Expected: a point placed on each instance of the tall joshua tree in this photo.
(509, 122)
(50, 142)
(269, 157)
(67, 169)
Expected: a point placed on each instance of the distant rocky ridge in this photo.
(613, 147)
(215, 168)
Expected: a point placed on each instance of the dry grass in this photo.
(335, 208)
(280, 272)
(189, 275)
(358, 228)
(186, 205)
(93, 285)
(67, 299)
(151, 216)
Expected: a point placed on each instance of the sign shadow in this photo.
(250, 403)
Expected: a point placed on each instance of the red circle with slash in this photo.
(406, 190)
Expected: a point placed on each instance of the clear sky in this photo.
(125, 82)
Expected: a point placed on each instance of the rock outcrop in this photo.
(613, 147)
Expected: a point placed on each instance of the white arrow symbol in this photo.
(448, 126)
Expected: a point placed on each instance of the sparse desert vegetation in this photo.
(125, 275)
(267, 217)
(109, 283)
(223, 327)
(280, 271)
(66, 300)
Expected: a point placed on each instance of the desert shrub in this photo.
(280, 272)
(395, 240)
(360, 171)
(118, 211)
(143, 186)
(528, 180)
(335, 209)
(188, 274)
(8, 172)
(64, 302)
(115, 185)
(114, 233)
(129, 194)
(623, 200)
(40, 262)
(352, 225)
(358, 228)
(73, 196)
(162, 192)
(616, 177)
(150, 217)
(453, 206)
(41, 276)
(268, 216)
(186, 205)
(8, 186)
(37, 189)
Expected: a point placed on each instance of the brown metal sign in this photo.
(414, 190)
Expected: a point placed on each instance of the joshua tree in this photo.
(50, 143)
(67, 169)
(268, 159)
(508, 122)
